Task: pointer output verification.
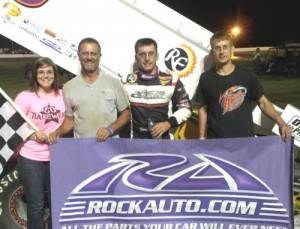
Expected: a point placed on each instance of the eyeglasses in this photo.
(223, 47)
(145, 54)
(86, 54)
(42, 73)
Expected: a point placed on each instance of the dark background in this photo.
(263, 22)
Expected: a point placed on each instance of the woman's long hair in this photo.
(43, 62)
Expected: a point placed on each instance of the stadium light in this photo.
(235, 31)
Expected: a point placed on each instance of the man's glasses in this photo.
(145, 54)
(223, 47)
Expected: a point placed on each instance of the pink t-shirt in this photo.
(47, 112)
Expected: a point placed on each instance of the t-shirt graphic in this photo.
(232, 98)
(49, 113)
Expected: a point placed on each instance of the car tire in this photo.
(13, 213)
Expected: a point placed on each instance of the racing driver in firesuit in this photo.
(154, 95)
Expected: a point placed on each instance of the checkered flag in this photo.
(14, 129)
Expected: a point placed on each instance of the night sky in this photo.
(264, 22)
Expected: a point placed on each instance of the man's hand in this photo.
(285, 132)
(102, 134)
(65, 128)
(160, 128)
(52, 137)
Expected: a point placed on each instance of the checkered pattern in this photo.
(13, 131)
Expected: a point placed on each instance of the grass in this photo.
(280, 90)
(12, 76)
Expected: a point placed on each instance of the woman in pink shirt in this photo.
(43, 104)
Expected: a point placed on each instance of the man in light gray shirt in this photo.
(96, 103)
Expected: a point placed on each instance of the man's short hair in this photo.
(144, 42)
(89, 40)
(220, 36)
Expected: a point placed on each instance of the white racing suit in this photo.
(161, 97)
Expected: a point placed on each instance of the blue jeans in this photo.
(35, 177)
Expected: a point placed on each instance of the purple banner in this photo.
(243, 183)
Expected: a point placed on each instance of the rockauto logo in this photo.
(211, 188)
